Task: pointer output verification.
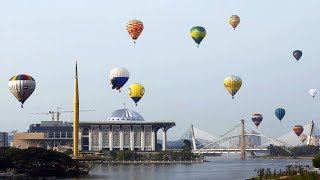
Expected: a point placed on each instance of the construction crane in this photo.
(58, 113)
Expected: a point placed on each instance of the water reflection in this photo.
(217, 168)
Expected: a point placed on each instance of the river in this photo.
(219, 168)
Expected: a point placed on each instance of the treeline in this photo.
(37, 162)
(155, 156)
(184, 154)
(307, 150)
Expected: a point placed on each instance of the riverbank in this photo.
(285, 157)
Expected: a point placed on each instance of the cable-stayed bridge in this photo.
(244, 138)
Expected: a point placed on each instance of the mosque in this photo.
(124, 129)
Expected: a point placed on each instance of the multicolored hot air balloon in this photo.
(198, 33)
(313, 92)
(303, 137)
(232, 84)
(136, 91)
(118, 77)
(298, 129)
(22, 86)
(134, 28)
(234, 20)
(256, 119)
(280, 112)
(297, 54)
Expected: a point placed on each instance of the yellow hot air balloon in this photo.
(232, 84)
(234, 20)
(136, 91)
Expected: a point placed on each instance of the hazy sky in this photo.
(183, 83)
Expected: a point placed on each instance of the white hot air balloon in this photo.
(22, 86)
(313, 92)
(118, 77)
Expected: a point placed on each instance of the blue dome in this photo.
(125, 115)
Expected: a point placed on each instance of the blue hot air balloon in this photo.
(118, 77)
(280, 112)
(297, 54)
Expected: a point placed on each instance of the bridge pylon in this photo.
(243, 141)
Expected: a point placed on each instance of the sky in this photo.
(183, 83)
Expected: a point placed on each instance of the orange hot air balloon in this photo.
(134, 28)
(298, 129)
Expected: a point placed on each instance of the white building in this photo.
(124, 129)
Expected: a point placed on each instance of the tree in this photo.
(186, 145)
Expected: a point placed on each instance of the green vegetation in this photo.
(316, 161)
(307, 150)
(184, 154)
(295, 172)
(37, 162)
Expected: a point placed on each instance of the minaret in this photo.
(75, 115)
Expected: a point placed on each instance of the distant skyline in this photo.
(182, 83)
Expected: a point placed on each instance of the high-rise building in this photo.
(3, 139)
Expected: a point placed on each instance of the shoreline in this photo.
(286, 157)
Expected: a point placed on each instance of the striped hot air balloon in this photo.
(22, 86)
(280, 112)
(118, 77)
(198, 33)
(298, 129)
(256, 119)
(136, 91)
(234, 20)
(232, 84)
(297, 54)
(134, 28)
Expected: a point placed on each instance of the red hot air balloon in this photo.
(256, 118)
(298, 129)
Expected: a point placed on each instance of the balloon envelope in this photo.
(198, 33)
(256, 119)
(232, 84)
(134, 28)
(297, 54)
(280, 112)
(22, 86)
(234, 20)
(118, 77)
(298, 129)
(313, 92)
(136, 91)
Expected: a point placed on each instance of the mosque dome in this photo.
(125, 115)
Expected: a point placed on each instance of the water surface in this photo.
(218, 168)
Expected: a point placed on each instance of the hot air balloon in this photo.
(198, 33)
(313, 92)
(256, 119)
(297, 54)
(234, 20)
(134, 28)
(232, 84)
(303, 137)
(118, 77)
(280, 112)
(298, 129)
(22, 86)
(136, 91)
